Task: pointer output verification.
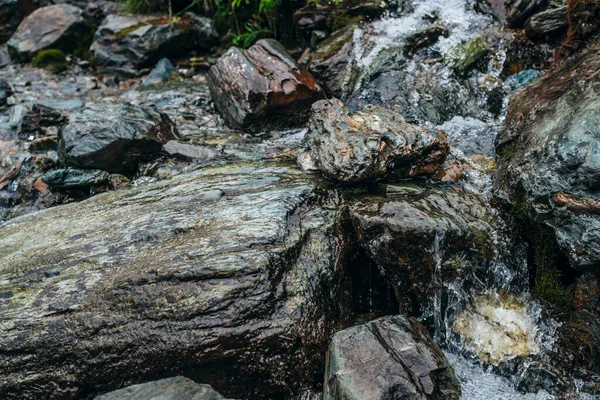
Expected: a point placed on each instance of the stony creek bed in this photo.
(400, 203)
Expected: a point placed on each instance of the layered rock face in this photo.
(549, 164)
(65, 28)
(176, 388)
(210, 268)
(262, 87)
(371, 144)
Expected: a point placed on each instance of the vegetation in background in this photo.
(243, 21)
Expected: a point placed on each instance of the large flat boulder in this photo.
(549, 159)
(125, 44)
(388, 358)
(210, 275)
(262, 87)
(372, 144)
(61, 26)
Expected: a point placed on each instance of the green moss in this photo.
(462, 58)
(53, 60)
(133, 28)
(550, 289)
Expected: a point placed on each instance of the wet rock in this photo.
(4, 57)
(114, 138)
(232, 266)
(189, 152)
(325, 17)
(125, 44)
(548, 165)
(388, 358)
(522, 78)
(12, 13)
(161, 73)
(513, 12)
(36, 119)
(425, 38)
(44, 143)
(331, 63)
(464, 57)
(5, 93)
(177, 388)
(64, 27)
(547, 22)
(16, 114)
(401, 231)
(372, 144)
(70, 178)
(262, 87)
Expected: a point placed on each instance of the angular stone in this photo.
(512, 12)
(262, 87)
(463, 57)
(331, 63)
(12, 13)
(177, 388)
(70, 178)
(114, 138)
(549, 158)
(161, 73)
(547, 22)
(220, 272)
(189, 152)
(60, 26)
(125, 44)
(373, 144)
(36, 118)
(388, 358)
(400, 233)
(5, 93)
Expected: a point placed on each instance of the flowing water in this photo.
(491, 320)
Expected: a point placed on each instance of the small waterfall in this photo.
(438, 321)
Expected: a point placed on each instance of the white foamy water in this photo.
(457, 16)
(479, 384)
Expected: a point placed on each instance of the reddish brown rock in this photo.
(262, 87)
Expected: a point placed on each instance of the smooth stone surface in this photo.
(388, 358)
(114, 138)
(224, 266)
(64, 27)
(189, 152)
(262, 87)
(371, 144)
(177, 388)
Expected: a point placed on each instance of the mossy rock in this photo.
(53, 60)
(462, 58)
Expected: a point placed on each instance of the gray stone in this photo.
(388, 358)
(161, 73)
(4, 57)
(5, 93)
(262, 88)
(177, 388)
(549, 158)
(71, 178)
(547, 22)
(221, 272)
(512, 12)
(125, 44)
(59, 26)
(401, 231)
(114, 138)
(371, 144)
(189, 152)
